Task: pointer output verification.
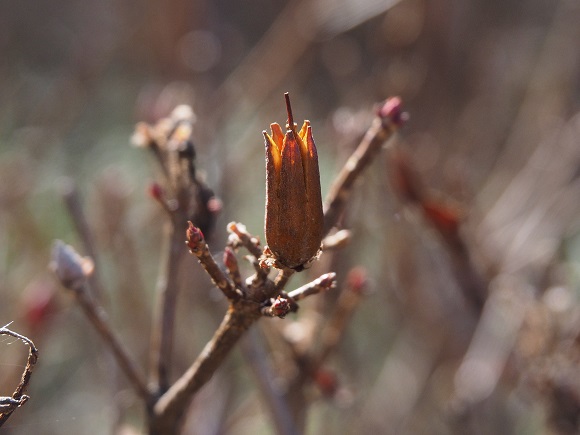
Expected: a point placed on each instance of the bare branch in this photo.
(231, 263)
(282, 279)
(251, 243)
(345, 306)
(323, 283)
(73, 272)
(170, 407)
(98, 319)
(164, 317)
(9, 404)
(72, 200)
(389, 118)
(198, 247)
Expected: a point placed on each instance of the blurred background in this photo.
(493, 91)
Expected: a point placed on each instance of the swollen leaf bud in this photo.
(71, 269)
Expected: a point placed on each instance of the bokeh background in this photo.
(493, 90)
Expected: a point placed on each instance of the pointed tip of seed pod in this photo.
(290, 124)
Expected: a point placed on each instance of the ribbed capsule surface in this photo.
(294, 218)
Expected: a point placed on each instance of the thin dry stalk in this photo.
(18, 398)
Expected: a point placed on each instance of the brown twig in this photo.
(337, 240)
(169, 409)
(98, 319)
(389, 119)
(198, 247)
(345, 306)
(18, 398)
(231, 263)
(255, 354)
(323, 283)
(251, 243)
(164, 317)
(73, 271)
(281, 280)
(241, 236)
(72, 200)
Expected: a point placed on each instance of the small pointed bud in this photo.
(156, 192)
(294, 217)
(391, 112)
(357, 280)
(230, 260)
(327, 381)
(195, 238)
(280, 307)
(38, 302)
(446, 218)
(70, 268)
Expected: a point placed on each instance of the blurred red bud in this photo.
(38, 303)
(155, 191)
(357, 279)
(391, 112)
(444, 217)
(327, 381)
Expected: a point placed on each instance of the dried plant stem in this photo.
(281, 280)
(339, 193)
(164, 318)
(170, 408)
(198, 247)
(18, 397)
(322, 283)
(334, 329)
(247, 240)
(98, 319)
(72, 200)
(255, 354)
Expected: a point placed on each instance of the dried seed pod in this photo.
(294, 218)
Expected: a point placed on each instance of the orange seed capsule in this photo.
(294, 218)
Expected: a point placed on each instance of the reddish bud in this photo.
(38, 303)
(280, 307)
(294, 218)
(327, 381)
(155, 191)
(194, 237)
(230, 260)
(391, 112)
(214, 205)
(444, 217)
(357, 279)
(405, 181)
